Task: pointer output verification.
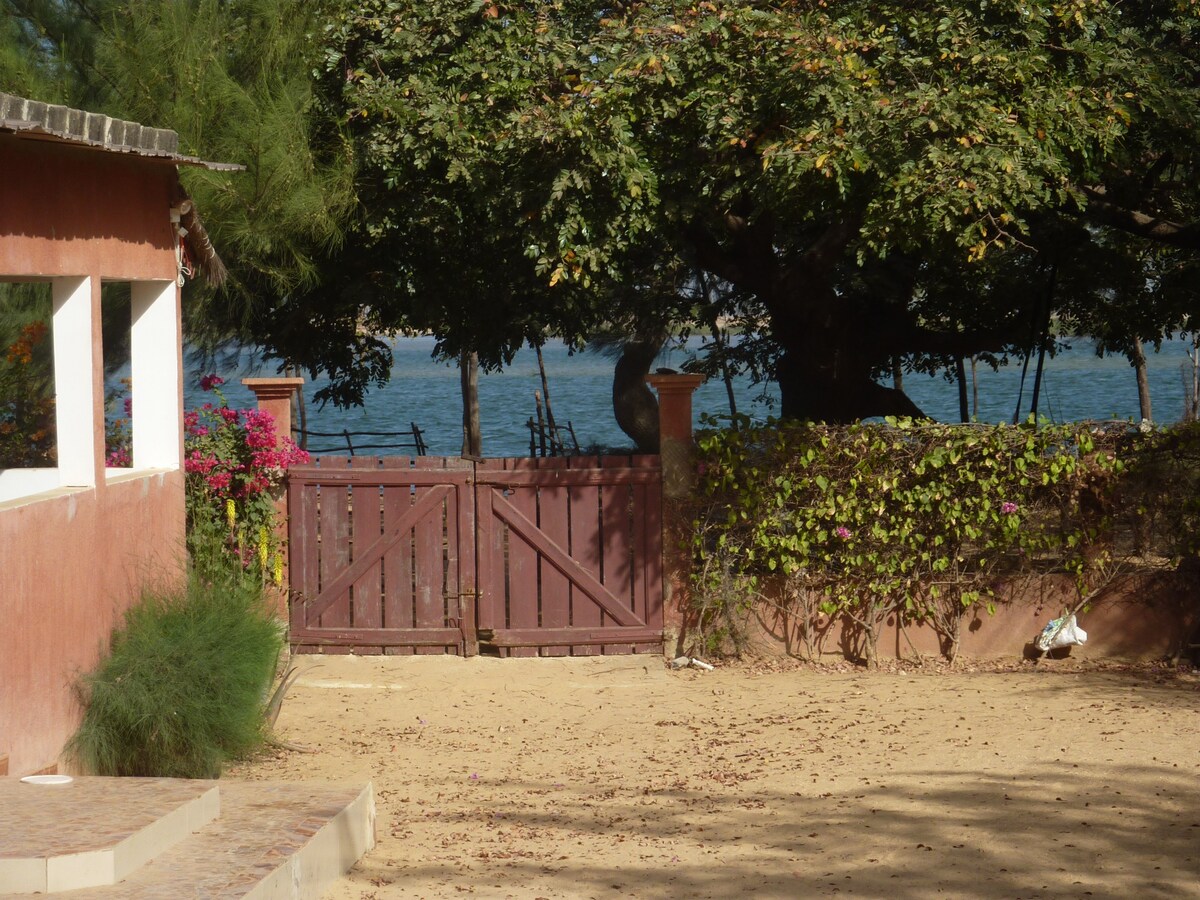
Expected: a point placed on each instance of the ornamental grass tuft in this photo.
(183, 690)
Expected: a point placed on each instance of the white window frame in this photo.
(154, 367)
(154, 347)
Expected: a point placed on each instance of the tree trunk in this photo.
(1191, 383)
(833, 339)
(1138, 361)
(721, 345)
(634, 404)
(550, 423)
(833, 345)
(960, 372)
(299, 410)
(468, 369)
(844, 396)
(974, 387)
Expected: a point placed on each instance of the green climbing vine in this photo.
(868, 522)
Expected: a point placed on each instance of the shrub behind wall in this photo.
(870, 522)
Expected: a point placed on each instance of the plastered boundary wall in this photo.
(1141, 618)
(73, 559)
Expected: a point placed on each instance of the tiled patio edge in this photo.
(330, 853)
(180, 823)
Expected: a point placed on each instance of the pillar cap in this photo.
(675, 383)
(273, 388)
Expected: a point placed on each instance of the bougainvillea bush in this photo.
(872, 522)
(118, 426)
(235, 464)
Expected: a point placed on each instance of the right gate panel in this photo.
(570, 555)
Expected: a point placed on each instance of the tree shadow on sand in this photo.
(1048, 831)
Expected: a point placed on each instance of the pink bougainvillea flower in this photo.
(1008, 507)
(218, 481)
(843, 532)
(234, 462)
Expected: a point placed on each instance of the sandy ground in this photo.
(616, 777)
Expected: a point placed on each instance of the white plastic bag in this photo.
(1064, 632)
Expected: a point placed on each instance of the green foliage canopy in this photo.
(834, 161)
(867, 182)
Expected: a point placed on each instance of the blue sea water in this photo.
(1077, 385)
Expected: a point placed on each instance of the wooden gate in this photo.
(524, 557)
(381, 556)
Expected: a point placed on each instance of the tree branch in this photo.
(827, 249)
(917, 339)
(712, 257)
(1099, 209)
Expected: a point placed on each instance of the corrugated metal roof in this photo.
(48, 121)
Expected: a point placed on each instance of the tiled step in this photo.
(271, 841)
(94, 831)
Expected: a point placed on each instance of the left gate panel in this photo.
(381, 556)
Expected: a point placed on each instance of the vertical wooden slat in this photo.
(555, 587)
(585, 549)
(522, 559)
(637, 574)
(464, 538)
(650, 550)
(428, 537)
(366, 610)
(459, 577)
(335, 545)
(302, 550)
(616, 518)
(489, 549)
(452, 606)
(398, 599)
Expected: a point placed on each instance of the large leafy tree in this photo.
(432, 91)
(866, 174)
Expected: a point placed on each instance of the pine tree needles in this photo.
(183, 689)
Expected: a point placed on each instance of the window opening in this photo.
(27, 420)
(118, 381)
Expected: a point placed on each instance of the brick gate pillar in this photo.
(274, 396)
(677, 450)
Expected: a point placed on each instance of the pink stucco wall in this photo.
(73, 561)
(71, 565)
(79, 211)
